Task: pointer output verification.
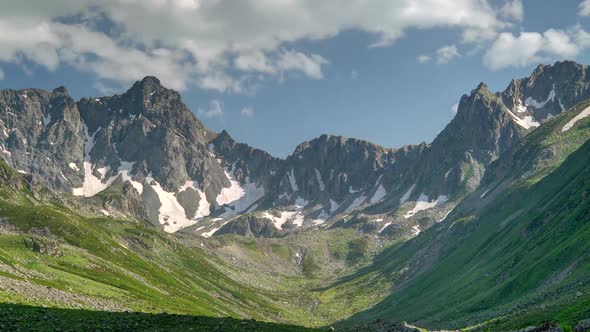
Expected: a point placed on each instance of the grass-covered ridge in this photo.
(521, 259)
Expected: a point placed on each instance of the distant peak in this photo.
(151, 80)
(559, 66)
(61, 90)
(224, 134)
(147, 84)
(482, 87)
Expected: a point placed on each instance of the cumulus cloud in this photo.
(247, 112)
(584, 8)
(454, 108)
(214, 44)
(104, 89)
(509, 50)
(513, 9)
(214, 111)
(423, 58)
(446, 53)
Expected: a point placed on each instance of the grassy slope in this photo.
(523, 259)
(29, 318)
(104, 263)
(97, 263)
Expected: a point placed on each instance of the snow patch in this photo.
(520, 108)
(527, 122)
(300, 202)
(423, 203)
(577, 118)
(204, 208)
(484, 194)
(170, 214)
(532, 102)
(284, 216)
(46, 119)
(4, 150)
(416, 230)
(318, 176)
(211, 232)
(318, 221)
(447, 173)
(238, 198)
(124, 170)
(406, 196)
(293, 180)
(92, 184)
(384, 227)
(74, 166)
(298, 220)
(333, 206)
(352, 191)
(446, 215)
(356, 202)
(379, 194)
(561, 106)
(232, 193)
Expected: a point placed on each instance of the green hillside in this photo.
(514, 253)
(521, 259)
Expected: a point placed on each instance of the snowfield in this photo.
(577, 118)
(423, 203)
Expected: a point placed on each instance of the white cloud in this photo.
(454, 108)
(214, 111)
(531, 47)
(283, 61)
(513, 9)
(104, 89)
(310, 65)
(222, 45)
(423, 58)
(446, 54)
(584, 8)
(580, 36)
(247, 112)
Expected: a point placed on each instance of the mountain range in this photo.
(130, 196)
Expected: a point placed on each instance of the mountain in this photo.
(513, 251)
(159, 162)
(127, 203)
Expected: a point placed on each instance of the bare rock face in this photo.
(167, 167)
(250, 226)
(40, 134)
(550, 90)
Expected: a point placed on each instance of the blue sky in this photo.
(276, 75)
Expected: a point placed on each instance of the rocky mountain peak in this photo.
(61, 91)
(482, 88)
(147, 85)
(225, 137)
